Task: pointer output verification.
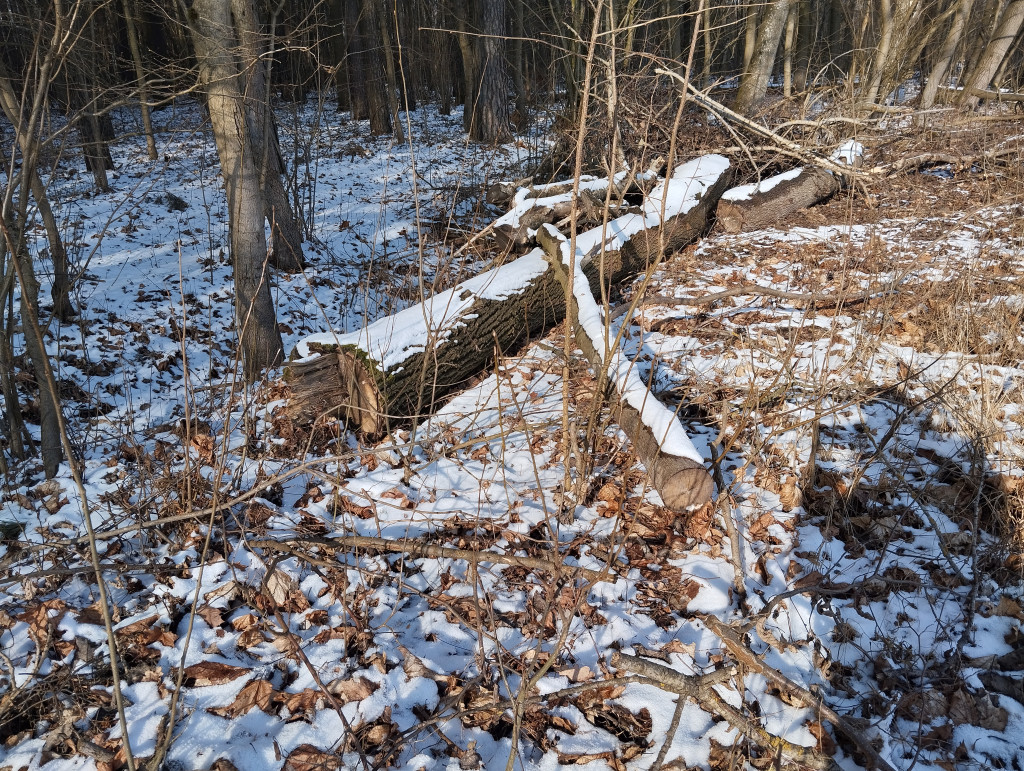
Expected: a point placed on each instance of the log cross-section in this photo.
(404, 365)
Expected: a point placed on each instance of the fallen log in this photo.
(675, 467)
(403, 365)
(535, 206)
(754, 206)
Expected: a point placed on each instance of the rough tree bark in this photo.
(214, 38)
(402, 366)
(751, 207)
(490, 97)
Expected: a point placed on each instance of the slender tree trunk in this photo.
(130, 12)
(491, 123)
(17, 436)
(49, 424)
(356, 61)
(805, 35)
(790, 40)
(749, 35)
(382, 22)
(287, 251)
(883, 50)
(995, 51)
(470, 68)
(940, 68)
(214, 39)
(60, 291)
(373, 69)
(754, 83)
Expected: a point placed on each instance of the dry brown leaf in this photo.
(212, 673)
(1009, 607)
(212, 616)
(825, 743)
(790, 496)
(306, 757)
(303, 704)
(354, 689)
(353, 508)
(258, 693)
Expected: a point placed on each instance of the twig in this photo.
(698, 688)
(732, 642)
(418, 550)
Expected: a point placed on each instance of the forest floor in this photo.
(869, 451)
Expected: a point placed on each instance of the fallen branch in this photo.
(676, 469)
(754, 206)
(699, 688)
(731, 640)
(403, 365)
(417, 550)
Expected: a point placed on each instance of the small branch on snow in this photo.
(731, 640)
(418, 550)
(699, 688)
(831, 299)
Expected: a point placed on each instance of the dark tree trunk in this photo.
(356, 61)
(491, 116)
(373, 69)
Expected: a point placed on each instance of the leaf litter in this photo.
(871, 459)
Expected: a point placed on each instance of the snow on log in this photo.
(403, 365)
(754, 206)
(675, 467)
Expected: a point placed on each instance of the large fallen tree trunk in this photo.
(402, 365)
(754, 206)
(675, 467)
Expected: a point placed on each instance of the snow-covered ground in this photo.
(870, 452)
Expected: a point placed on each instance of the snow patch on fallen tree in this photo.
(392, 339)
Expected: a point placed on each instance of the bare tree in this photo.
(216, 45)
(757, 74)
(996, 50)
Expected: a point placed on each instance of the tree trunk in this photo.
(130, 12)
(491, 121)
(355, 61)
(995, 51)
(373, 69)
(754, 83)
(382, 22)
(940, 67)
(751, 207)
(60, 291)
(676, 470)
(50, 449)
(287, 251)
(470, 66)
(401, 367)
(214, 39)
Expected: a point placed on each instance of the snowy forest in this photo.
(444, 385)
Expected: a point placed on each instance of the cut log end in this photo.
(337, 383)
(682, 483)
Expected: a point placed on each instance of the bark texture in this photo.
(996, 50)
(766, 208)
(754, 83)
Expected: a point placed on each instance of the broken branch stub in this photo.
(754, 206)
(404, 365)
